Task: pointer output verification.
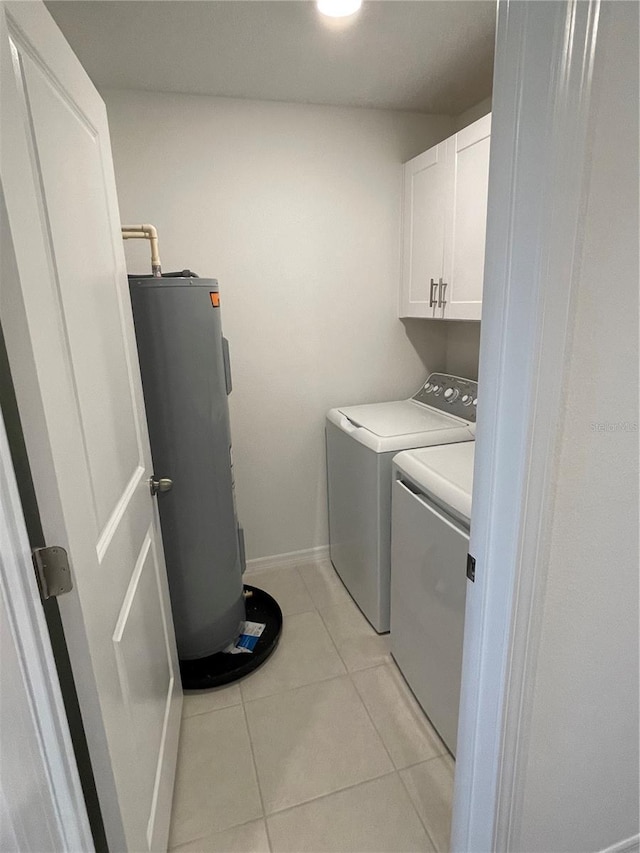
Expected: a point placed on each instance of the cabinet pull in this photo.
(442, 285)
(432, 299)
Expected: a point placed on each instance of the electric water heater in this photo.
(186, 378)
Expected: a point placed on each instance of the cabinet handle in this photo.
(432, 299)
(442, 293)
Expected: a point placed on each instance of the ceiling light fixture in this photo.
(338, 8)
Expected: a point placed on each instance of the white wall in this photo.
(580, 791)
(463, 348)
(296, 211)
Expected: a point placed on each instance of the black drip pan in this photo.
(221, 668)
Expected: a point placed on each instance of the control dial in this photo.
(436, 389)
(466, 399)
(428, 388)
(451, 394)
(475, 401)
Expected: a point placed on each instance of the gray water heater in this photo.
(184, 362)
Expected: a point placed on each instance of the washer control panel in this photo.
(451, 394)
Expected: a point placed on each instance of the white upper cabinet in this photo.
(467, 221)
(444, 226)
(425, 179)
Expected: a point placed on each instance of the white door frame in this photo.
(59, 794)
(541, 130)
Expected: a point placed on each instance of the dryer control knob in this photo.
(475, 401)
(466, 400)
(437, 389)
(451, 394)
(428, 388)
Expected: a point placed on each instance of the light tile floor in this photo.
(323, 748)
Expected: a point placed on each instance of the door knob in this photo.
(164, 484)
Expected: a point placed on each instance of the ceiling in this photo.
(432, 56)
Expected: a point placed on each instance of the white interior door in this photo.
(71, 347)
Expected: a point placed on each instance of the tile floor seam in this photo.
(193, 840)
(335, 645)
(211, 710)
(314, 606)
(266, 828)
(445, 754)
(367, 666)
(307, 587)
(297, 686)
(355, 686)
(176, 848)
(393, 772)
(371, 665)
(255, 768)
(372, 721)
(414, 807)
(294, 689)
(445, 751)
(318, 681)
(244, 822)
(314, 609)
(318, 565)
(294, 569)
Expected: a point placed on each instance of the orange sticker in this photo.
(215, 299)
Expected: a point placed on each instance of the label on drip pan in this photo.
(248, 639)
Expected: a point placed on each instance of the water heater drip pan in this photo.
(223, 668)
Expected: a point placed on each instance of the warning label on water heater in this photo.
(249, 636)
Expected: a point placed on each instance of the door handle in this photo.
(442, 290)
(164, 484)
(433, 286)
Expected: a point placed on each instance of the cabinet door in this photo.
(466, 220)
(425, 187)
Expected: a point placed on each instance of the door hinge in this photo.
(471, 568)
(53, 572)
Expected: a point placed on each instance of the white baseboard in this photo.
(293, 558)
(629, 845)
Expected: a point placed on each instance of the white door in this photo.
(425, 186)
(467, 221)
(41, 804)
(69, 335)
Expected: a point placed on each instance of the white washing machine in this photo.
(361, 442)
(431, 508)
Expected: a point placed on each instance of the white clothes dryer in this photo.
(431, 508)
(361, 442)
